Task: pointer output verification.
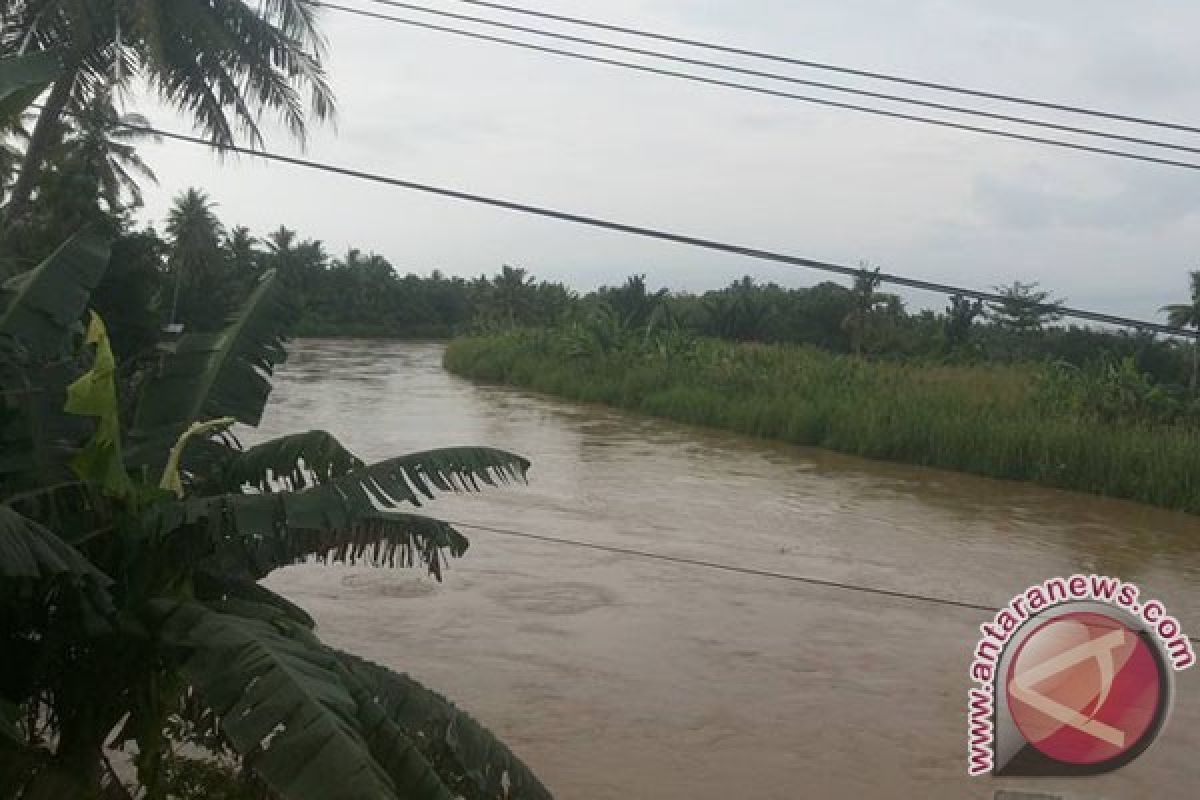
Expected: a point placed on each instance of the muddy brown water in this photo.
(619, 677)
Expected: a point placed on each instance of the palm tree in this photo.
(243, 259)
(200, 295)
(865, 300)
(13, 139)
(1187, 315)
(632, 303)
(960, 315)
(512, 287)
(222, 63)
(242, 248)
(282, 250)
(101, 142)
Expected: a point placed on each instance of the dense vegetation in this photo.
(141, 654)
(1105, 428)
(134, 529)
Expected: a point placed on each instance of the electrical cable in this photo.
(775, 76)
(761, 89)
(668, 236)
(731, 568)
(862, 73)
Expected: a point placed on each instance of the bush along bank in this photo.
(1105, 429)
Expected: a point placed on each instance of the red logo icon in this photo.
(1085, 689)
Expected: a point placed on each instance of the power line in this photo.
(668, 236)
(748, 571)
(760, 89)
(862, 73)
(714, 565)
(775, 76)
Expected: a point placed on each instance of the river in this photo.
(616, 676)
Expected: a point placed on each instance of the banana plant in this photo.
(22, 79)
(131, 612)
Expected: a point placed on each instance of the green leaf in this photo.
(172, 477)
(297, 460)
(405, 479)
(283, 703)
(380, 539)
(9, 717)
(317, 458)
(23, 78)
(348, 518)
(216, 587)
(212, 375)
(94, 394)
(471, 761)
(257, 533)
(75, 509)
(39, 308)
(30, 554)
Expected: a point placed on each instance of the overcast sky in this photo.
(766, 172)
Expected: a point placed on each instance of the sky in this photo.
(766, 172)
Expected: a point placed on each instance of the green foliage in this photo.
(204, 779)
(211, 375)
(1113, 392)
(1187, 315)
(960, 316)
(995, 420)
(1023, 308)
(481, 766)
(101, 143)
(39, 312)
(124, 600)
(39, 308)
(94, 394)
(299, 459)
(127, 297)
(22, 79)
(32, 554)
(223, 65)
(283, 700)
(202, 290)
(631, 304)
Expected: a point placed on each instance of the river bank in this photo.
(990, 420)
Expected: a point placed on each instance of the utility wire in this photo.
(862, 73)
(732, 568)
(775, 76)
(758, 89)
(714, 565)
(668, 236)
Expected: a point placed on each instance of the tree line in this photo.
(195, 269)
(198, 269)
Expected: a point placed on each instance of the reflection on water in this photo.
(617, 677)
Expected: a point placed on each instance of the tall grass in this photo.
(980, 419)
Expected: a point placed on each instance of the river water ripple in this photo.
(617, 677)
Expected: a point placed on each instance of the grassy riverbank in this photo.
(994, 420)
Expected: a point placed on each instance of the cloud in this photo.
(754, 170)
(1140, 201)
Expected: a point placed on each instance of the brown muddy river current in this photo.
(614, 676)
